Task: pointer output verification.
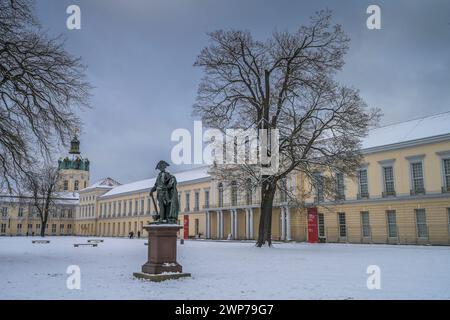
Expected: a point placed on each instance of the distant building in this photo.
(401, 195)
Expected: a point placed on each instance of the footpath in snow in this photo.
(223, 270)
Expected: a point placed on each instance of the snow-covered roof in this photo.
(191, 176)
(106, 183)
(408, 132)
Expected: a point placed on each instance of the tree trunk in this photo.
(268, 189)
(43, 224)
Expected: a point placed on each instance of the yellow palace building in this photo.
(401, 195)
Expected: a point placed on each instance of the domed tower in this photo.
(73, 169)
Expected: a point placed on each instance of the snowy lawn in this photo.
(223, 270)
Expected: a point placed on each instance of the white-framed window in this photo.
(3, 228)
(342, 225)
(206, 198)
(61, 228)
(188, 200)
(448, 217)
(197, 201)
(54, 228)
(119, 208)
(4, 212)
(340, 186)
(149, 205)
(421, 223)
(136, 204)
(142, 206)
(76, 185)
(66, 185)
(30, 226)
(19, 228)
(391, 223)
(220, 194)
(318, 185)
(20, 214)
(388, 178)
(365, 224)
(446, 173)
(130, 207)
(321, 225)
(417, 177)
(363, 184)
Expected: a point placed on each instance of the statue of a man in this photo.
(167, 195)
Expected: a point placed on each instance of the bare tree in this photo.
(41, 187)
(41, 87)
(285, 83)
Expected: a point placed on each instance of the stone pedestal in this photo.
(162, 254)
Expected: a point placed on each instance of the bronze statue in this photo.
(167, 195)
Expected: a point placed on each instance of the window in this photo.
(363, 184)
(109, 209)
(63, 213)
(69, 227)
(85, 184)
(318, 185)
(206, 198)
(136, 204)
(392, 223)
(340, 187)
(30, 226)
(142, 206)
(66, 185)
(365, 224)
(70, 213)
(19, 228)
(421, 223)
(53, 228)
(220, 191)
(187, 207)
(448, 216)
(130, 207)
(76, 185)
(3, 228)
(388, 178)
(283, 190)
(114, 209)
(20, 214)
(446, 171)
(4, 212)
(342, 225)
(417, 178)
(61, 228)
(196, 201)
(197, 228)
(321, 225)
(149, 204)
(119, 208)
(38, 227)
(249, 191)
(234, 194)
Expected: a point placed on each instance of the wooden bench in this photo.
(85, 244)
(40, 241)
(95, 240)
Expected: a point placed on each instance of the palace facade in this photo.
(401, 195)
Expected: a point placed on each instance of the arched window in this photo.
(220, 192)
(234, 195)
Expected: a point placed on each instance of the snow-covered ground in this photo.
(223, 270)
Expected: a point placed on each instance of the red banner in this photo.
(313, 231)
(186, 226)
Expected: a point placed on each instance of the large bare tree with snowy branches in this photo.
(41, 88)
(286, 83)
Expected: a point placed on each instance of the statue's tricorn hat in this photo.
(162, 162)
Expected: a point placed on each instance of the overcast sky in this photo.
(140, 54)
